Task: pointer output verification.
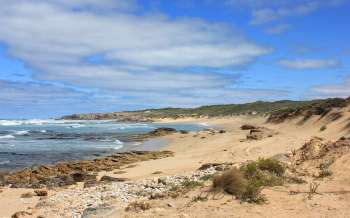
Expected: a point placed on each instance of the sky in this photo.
(60, 57)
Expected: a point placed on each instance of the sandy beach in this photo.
(194, 149)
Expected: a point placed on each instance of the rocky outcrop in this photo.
(69, 173)
(320, 149)
(257, 132)
(117, 116)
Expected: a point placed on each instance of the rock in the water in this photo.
(162, 131)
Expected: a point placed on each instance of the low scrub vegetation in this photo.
(247, 182)
(308, 109)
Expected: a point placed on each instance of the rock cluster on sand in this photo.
(319, 150)
(257, 132)
(87, 202)
(69, 173)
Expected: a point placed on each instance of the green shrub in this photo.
(190, 184)
(253, 195)
(296, 180)
(325, 173)
(264, 172)
(206, 177)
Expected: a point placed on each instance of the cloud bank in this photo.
(264, 11)
(309, 64)
(110, 47)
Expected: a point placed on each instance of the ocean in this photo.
(25, 143)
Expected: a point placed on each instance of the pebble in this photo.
(75, 202)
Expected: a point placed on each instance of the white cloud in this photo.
(264, 11)
(141, 54)
(309, 64)
(45, 36)
(333, 90)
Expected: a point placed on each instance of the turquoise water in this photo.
(25, 143)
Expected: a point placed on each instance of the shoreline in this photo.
(131, 141)
(191, 151)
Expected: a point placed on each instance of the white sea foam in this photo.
(22, 132)
(9, 123)
(4, 162)
(118, 147)
(7, 137)
(118, 142)
(204, 124)
(75, 126)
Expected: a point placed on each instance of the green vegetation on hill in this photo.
(320, 107)
(279, 110)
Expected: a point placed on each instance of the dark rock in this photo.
(183, 132)
(112, 179)
(248, 127)
(69, 173)
(82, 176)
(21, 214)
(157, 172)
(91, 183)
(222, 131)
(40, 193)
(98, 212)
(162, 181)
(161, 132)
(27, 195)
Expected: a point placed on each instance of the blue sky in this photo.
(78, 56)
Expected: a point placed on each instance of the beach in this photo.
(226, 144)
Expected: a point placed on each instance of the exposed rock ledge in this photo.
(69, 173)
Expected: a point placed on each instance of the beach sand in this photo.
(197, 148)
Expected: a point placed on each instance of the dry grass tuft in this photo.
(232, 182)
(138, 206)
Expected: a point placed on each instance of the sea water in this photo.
(26, 143)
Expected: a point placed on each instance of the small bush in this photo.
(271, 165)
(253, 195)
(296, 180)
(138, 206)
(246, 183)
(190, 184)
(199, 198)
(323, 128)
(232, 182)
(325, 173)
(264, 172)
(206, 177)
